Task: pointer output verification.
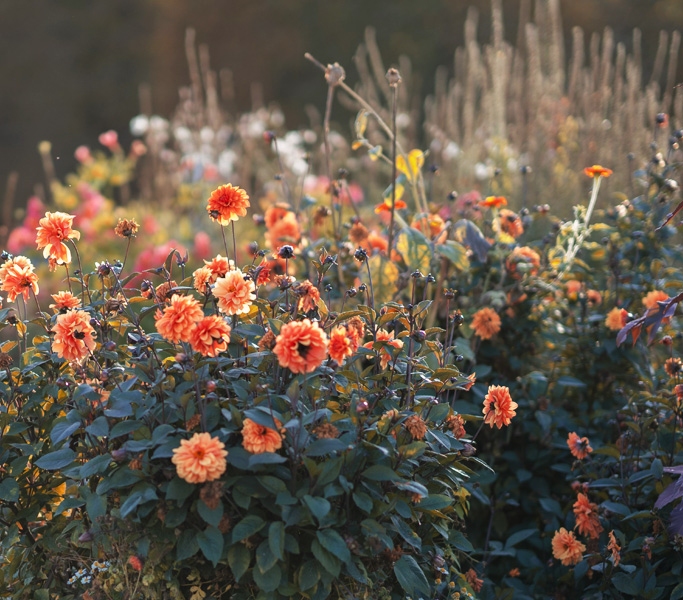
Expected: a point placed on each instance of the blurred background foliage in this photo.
(72, 69)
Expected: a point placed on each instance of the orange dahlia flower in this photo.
(614, 548)
(210, 336)
(494, 202)
(284, 231)
(510, 223)
(651, 300)
(219, 266)
(301, 346)
(178, 319)
(53, 229)
(200, 459)
(64, 301)
(341, 346)
(235, 293)
(73, 335)
(587, 521)
(258, 439)
(384, 336)
(673, 366)
(202, 277)
(525, 255)
(17, 277)
(498, 406)
(227, 203)
(597, 171)
(274, 213)
(567, 548)
(309, 296)
(616, 319)
(572, 288)
(578, 446)
(486, 323)
(355, 328)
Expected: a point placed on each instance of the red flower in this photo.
(597, 171)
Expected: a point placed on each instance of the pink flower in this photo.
(109, 139)
(83, 155)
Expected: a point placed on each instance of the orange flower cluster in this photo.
(523, 255)
(200, 459)
(227, 203)
(53, 230)
(499, 407)
(566, 548)
(587, 521)
(475, 582)
(17, 277)
(301, 346)
(73, 335)
(341, 346)
(64, 301)
(259, 438)
(210, 336)
(235, 293)
(486, 323)
(578, 446)
(384, 336)
(616, 319)
(179, 318)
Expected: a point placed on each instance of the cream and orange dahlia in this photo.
(301, 346)
(499, 407)
(259, 438)
(578, 446)
(53, 230)
(227, 203)
(341, 346)
(179, 318)
(73, 335)
(200, 459)
(64, 301)
(18, 278)
(566, 548)
(210, 336)
(235, 294)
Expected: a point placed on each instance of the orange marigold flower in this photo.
(52, 230)
(200, 459)
(474, 581)
(235, 293)
(416, 427)
(499, 407)
(614, 548)
(486, 323)
(227, 203)
(514, 572)
(578, 446)
(597, 171)
(493, 202)
(510, 223)
(17, 277)
(616, 319)
(341, 346)
(179, 318)
(259, 438)
(651, 300)
(210, 336)
(202, 277)
(73, 335)
(587, 521)
(355, 328)
(566, 548)
(384, 336)
(301, 346)
(673, 366)
(309, 296)
(523, 255)
(135, 563)
(457, 425)
(126, 228)
(64, 301)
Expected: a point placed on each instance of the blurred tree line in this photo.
(70, 69)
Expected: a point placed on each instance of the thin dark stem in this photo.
(234, 244)
(225, 244)
(80, 274)
(326, 138)
(394, 102)
(125, 258)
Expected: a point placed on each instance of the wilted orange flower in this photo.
(650, 301)
(510, 223)
(498, 406)
(179, 318)
(258, 438)
(475, 583)
(597, 171)
(673, 366)
(135, 563)
(227, 203)
(17, 277)
(301, 346)
(416, 427)
(457, 425)
(53, 229)
(494, 202)
(567, 548)
(355, 328)
(202, 277)
(163, 290)
(263, 272)
(235, 293)
(309, 296)
(64, 301)
(579, 447)
(614, 548)
(340, 344)
(384, 336)
(326, 431)
(200, 459)
(126, 228)
(524, 255)
(587, 521)
(514, 572)
(358, 233)
(210, 336)
(486, 323)
(73, 335)
(616, 319)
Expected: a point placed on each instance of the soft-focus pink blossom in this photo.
(83, 155)
(202, 246)
(109, 139)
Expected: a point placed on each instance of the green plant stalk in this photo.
(394, 101)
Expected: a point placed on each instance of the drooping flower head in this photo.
(385, 336)
(566, 548)
(587, 520)
(486, 323)
(64, 301)
(17, 277)
(498, 406)
(475, 582)
(200, 459)
(126, 228)
(259, 438)
(179, 318)
(301, 346)
(616, 319)
(53, 230)
(73, 335)
(579, 446)
(235, 293)
(210, 336)
(355, 329)
(416, 426)
(614, 548)
(227, 203)
(597, 171)
(341, 346)
(308, 296)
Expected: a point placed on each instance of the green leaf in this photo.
(238, 559)
(247, 527)
(567, 381)
(434, 502)
(68, 503)
(94, 466)
(211, 516)
(325, 446)
(328, 560)
(268, 581)
(677, 592)
(187, 545)
(456, 253)
(410, 576)
(318, 506)
(276, 539)
(9, 490)
(124, 428)
(363, 501)
(63, 430)
(625, 584)
(178, 489)
(415, 250)
(56, 460)
(519, 536)
(384, 278)
(95, 505)
(99, 427)
(211, 544)
(334, 542)
(380, 473)
(308, 575)
(457, 539)
(265, 559)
